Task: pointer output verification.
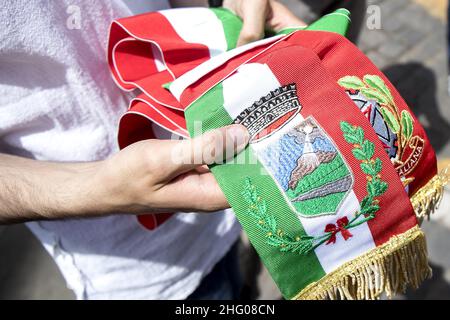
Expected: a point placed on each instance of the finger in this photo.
(253, 14)
(281, 18)
(200, 192)
(214, 146)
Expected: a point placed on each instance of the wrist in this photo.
(110, 188)
(76, 190)
(98, 190)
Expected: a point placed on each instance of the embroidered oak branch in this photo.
(268, 224)
(364, 151)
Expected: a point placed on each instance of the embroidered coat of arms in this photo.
(301, 157)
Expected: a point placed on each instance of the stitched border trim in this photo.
(389, 269)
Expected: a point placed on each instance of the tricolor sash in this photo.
(337, 164)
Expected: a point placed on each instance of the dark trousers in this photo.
(224, 282)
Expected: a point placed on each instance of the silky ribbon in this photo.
(339, 227)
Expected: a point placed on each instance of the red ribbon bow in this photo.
(339, 227)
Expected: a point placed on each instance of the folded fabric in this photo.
(147, 52)
(337, 164)
(169, 43)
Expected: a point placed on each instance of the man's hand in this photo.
(148, 176)
(259, 15)
(161, 175)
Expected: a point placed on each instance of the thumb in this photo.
(214, 146)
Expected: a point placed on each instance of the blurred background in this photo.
(407, 39)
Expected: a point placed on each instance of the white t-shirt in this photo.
(58, 102)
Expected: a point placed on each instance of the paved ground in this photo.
(410, 47)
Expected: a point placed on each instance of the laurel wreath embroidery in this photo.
(401, 123)
(363, 150)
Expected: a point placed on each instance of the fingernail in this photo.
(238, 134)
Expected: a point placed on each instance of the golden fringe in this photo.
(427, 199)
(389, 269)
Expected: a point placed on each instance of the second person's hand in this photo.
(259, 15)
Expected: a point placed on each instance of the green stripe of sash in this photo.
(291, 271)
(337, 22)
(232, 26)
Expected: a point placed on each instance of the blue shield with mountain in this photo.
(309, 169)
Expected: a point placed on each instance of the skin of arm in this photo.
(148, 176)
(31, 190)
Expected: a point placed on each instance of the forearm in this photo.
(31, 190)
